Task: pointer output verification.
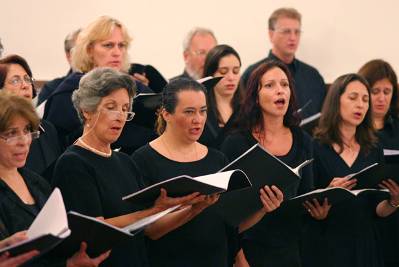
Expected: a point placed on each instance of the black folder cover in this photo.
(369, 177)
(42, 244)
(98, 235)
(210, 82)
(185, 185)
(262, 169)
(309, 124)
(145, 108)
(335, 195)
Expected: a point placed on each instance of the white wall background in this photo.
(339, 36)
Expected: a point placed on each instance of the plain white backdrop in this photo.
(338, 36)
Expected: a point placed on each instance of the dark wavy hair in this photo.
(328, 130)
(18, 60)
(377, 70)
(170, 98)
(210, 67)
(250, 115)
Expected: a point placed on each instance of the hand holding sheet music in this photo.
(262, 169)
(334, 196)
(369, 177)
(44, 234)
(71, 229)
(185, 185)
(317, 209)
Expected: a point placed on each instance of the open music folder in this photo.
(370, 176)
(49, 228)
(309, 124)
(145, 106)
(55, 229)
(99, 235)
(368, 180)
(184, 185)
(262, 168)
(334, 195)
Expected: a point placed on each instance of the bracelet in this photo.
(390, 202)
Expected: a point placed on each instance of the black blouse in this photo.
(214, 135)
(389, 135)
(201, 241)
(94, 185)
(389, 227)
(17, 216)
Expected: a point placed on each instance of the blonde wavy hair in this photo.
(96, 31)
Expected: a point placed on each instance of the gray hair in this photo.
(190, 35)
(98, 83)
(70, 40)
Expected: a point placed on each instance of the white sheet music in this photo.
(52, 219)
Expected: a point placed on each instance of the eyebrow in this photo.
(113, 101)
(195, 108)
(277, 80)
(16, 128)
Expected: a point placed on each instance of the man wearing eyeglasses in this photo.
(284, 34)
(196, 46)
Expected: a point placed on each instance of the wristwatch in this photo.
(393, 205)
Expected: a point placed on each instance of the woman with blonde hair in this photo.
(103, 43)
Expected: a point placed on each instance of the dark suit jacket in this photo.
(44, 151)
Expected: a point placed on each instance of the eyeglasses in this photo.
(199, 53)
(13, 139)
(114, 114)
(287, 31)
(17, 80)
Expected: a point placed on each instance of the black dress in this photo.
(389, 226)
(389, 135)
(274, 240)
(349, 237)
(214, 135)
(94, 185)
(201, 241)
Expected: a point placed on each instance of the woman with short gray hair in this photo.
(91, 176)
(101, 82)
